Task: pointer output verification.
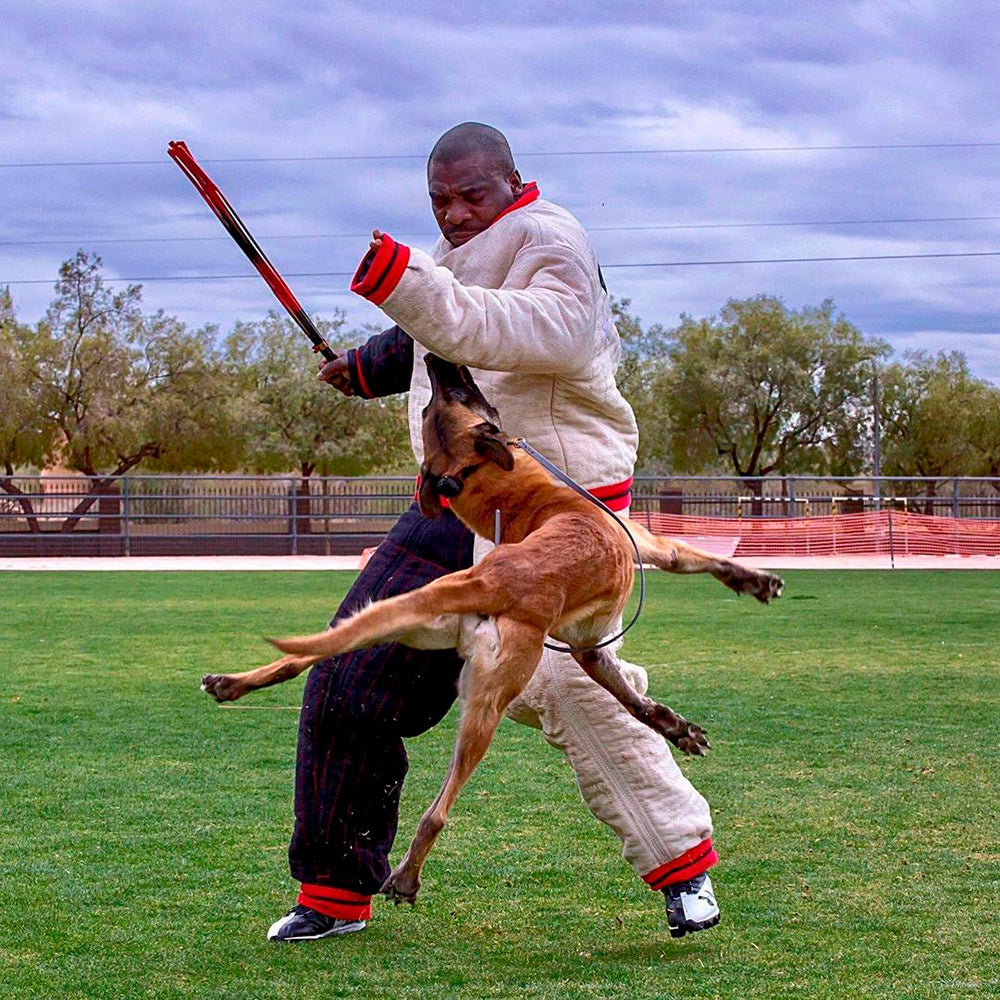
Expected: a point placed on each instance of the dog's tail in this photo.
(394, 618)
(679, 557)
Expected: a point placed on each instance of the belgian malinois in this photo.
(563, 568)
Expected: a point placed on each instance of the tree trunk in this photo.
(100, 486)
(303, 507)
(756, 486)
(931, 495)
(103, 485)
(7, 485)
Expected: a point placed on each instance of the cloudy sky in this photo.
(674, 131)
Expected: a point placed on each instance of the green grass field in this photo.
(855, 780)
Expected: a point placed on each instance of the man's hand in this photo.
(376, 240)
(335, 372)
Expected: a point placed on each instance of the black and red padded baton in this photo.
(233, 224)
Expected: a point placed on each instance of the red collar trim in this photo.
(529, 193)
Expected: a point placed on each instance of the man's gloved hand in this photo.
(335, 372)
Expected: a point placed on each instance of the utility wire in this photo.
(97, 240)
(346, 158)
(665, 263)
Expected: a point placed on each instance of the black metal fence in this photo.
(284, 515)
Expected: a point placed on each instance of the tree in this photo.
(638, 377)
(986, 430)
(936, 418)
(768, 389)
(25, 436)
(293, 421)
(121, 387)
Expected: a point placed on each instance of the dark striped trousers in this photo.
(358, 707)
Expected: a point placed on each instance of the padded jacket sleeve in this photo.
(540, 321)
(383, 365)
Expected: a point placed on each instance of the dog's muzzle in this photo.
(448, 486)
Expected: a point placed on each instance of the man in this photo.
(514, 291)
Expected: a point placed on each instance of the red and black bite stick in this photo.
(233, 224)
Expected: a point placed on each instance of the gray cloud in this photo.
(117, 81)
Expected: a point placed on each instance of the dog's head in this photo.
(461, 433)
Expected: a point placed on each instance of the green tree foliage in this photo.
(25, 434)
(986, 430)
(768, 389)
(290, 420)
(938, 419)
(640, 379)
(121, 387)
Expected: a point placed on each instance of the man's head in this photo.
(471, 179)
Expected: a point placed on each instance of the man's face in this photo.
(468, 194)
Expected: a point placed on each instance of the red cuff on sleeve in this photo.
(354, 360)
(379, 273)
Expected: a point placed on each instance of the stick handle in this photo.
(233, 225)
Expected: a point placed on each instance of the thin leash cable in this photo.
(559, 474)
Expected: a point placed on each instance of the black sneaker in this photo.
(301, 923)
(691, 906)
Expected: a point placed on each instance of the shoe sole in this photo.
(333, 932)
(679, 932)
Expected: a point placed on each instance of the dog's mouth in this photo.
(450, 487)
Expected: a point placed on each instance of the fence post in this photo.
(790, 506)
(126, 517)
(293, 504)
(954, 497)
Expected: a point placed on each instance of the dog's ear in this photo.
(427, 498)
(490, 443)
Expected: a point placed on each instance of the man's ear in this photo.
(427, 499)
(492, 446)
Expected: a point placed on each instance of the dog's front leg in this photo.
(602, 666)
(229, 687)
(675, 556)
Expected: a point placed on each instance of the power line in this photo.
(678, 150)
(97, 240)
(664, 263)
(807, 260)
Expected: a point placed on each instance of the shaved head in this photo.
(469, 139)
(471, 180)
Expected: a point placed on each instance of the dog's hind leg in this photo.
(492, 679)
(417, 613)
(602, 666)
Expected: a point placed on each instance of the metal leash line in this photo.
(560, 475)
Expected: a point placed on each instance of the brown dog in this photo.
(564, 568)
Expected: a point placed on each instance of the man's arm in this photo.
(382, 366)
(542, 322)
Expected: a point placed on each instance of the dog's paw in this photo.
(401, 887)
(686, 736)
(761, 584)
(223, 687)
(768, 586)
(693, 740)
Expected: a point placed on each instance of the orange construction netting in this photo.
(875, 533)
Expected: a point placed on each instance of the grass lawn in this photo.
(855, 782)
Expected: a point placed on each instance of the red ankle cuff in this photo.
(333, 902)
(689, 865)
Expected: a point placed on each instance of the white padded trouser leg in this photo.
(626, 773)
